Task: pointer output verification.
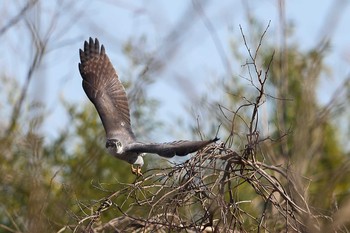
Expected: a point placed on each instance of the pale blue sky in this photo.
(195, 56)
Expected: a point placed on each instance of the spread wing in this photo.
(102, 86)
(170, 149)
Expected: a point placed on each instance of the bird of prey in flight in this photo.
(106, 92)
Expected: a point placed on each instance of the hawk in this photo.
(106, 92)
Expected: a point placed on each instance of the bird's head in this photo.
(114, 146)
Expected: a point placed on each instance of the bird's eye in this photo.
(111, 143)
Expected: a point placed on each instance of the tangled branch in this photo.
(202, 193)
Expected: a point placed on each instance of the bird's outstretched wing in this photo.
(102, 86)
(170, 149)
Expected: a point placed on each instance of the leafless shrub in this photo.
(202, 193)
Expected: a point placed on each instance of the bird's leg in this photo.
(137, 170)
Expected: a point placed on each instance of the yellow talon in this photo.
(137, 170)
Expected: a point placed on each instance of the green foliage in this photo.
(25, 175)
(312, 146)
(47, 186)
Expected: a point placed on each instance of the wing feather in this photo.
(106, 92)
(170, 149)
